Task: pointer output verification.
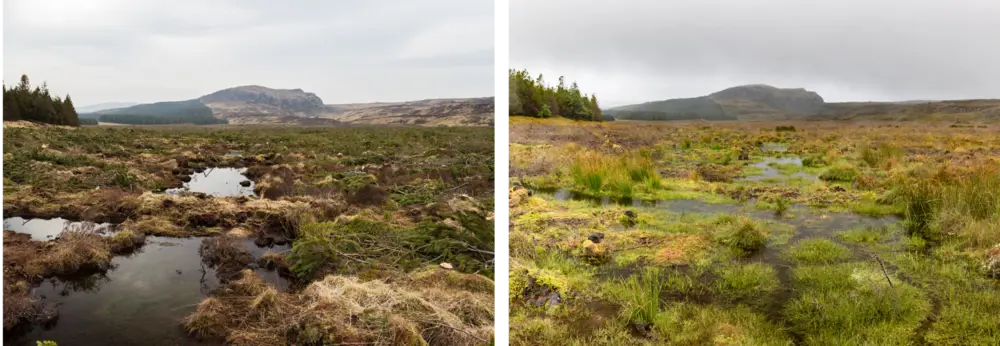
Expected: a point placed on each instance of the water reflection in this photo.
(218, 182)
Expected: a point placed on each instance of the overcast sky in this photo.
(631, 51)
(344, 51)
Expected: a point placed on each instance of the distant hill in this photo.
(103, 106)
(764, 102)
(453, 112)
(253, 104)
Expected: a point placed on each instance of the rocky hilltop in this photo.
(254, 104)
(765, 102)
(257, 100)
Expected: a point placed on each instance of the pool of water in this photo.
(45, 230)
(769, 171)
(217, 182)
(140, 301)
(807, 222)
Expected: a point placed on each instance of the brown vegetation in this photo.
(433, 306)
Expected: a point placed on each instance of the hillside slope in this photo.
(763, 102)
(451, 112)
(254, 104)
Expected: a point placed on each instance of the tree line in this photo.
(533, 97)
(22, 102)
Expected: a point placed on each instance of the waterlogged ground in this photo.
(735, 234)
(247, 235)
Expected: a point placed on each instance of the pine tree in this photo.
(69, 112)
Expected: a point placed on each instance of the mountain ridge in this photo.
(764, 102)
(255, 104)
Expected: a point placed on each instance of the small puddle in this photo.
(218, 182)
(141, 300)
(45, 230)
(770, 167)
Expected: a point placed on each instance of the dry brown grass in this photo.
(126, 240)
(74, 251)
(226, 254)
(434, 307)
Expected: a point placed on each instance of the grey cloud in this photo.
(344, 51)
(845, 50)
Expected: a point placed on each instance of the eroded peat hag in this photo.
(760, 233)
(248, 235)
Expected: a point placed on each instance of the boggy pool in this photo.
(141, 300)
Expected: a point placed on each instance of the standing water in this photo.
(45, 230)
(218, 182)
(141, 300)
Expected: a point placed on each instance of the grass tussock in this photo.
(345, 310)
(855, 304)
(126, 240)
(18, 307)
(75, 250)
(818, 251)
(743, 235)
(226, 254)
(618, 175)
(746, 282)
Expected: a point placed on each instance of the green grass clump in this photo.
(640, 297)
(854, 304)
(818, 251)
(745, 281)
(743, 235)
(880, 156)
(841, 172)
(867, 235)
(692, 324)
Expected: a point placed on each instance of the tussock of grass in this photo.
(618, 175)
(76, 250)
(743, 235)
(692, 324)
(126, 240)
(818, 251)
(883, 155)
(853, 304)
(342, 309)
(640, 297)
(840, 172)
(867, 235)
(745, 281)
(18, 307)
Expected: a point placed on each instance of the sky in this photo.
(632, 51)
(163, 50)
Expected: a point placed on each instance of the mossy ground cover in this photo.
(356, 203)
(895, 242)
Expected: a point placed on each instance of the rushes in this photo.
(640, 296)
(596, 172)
